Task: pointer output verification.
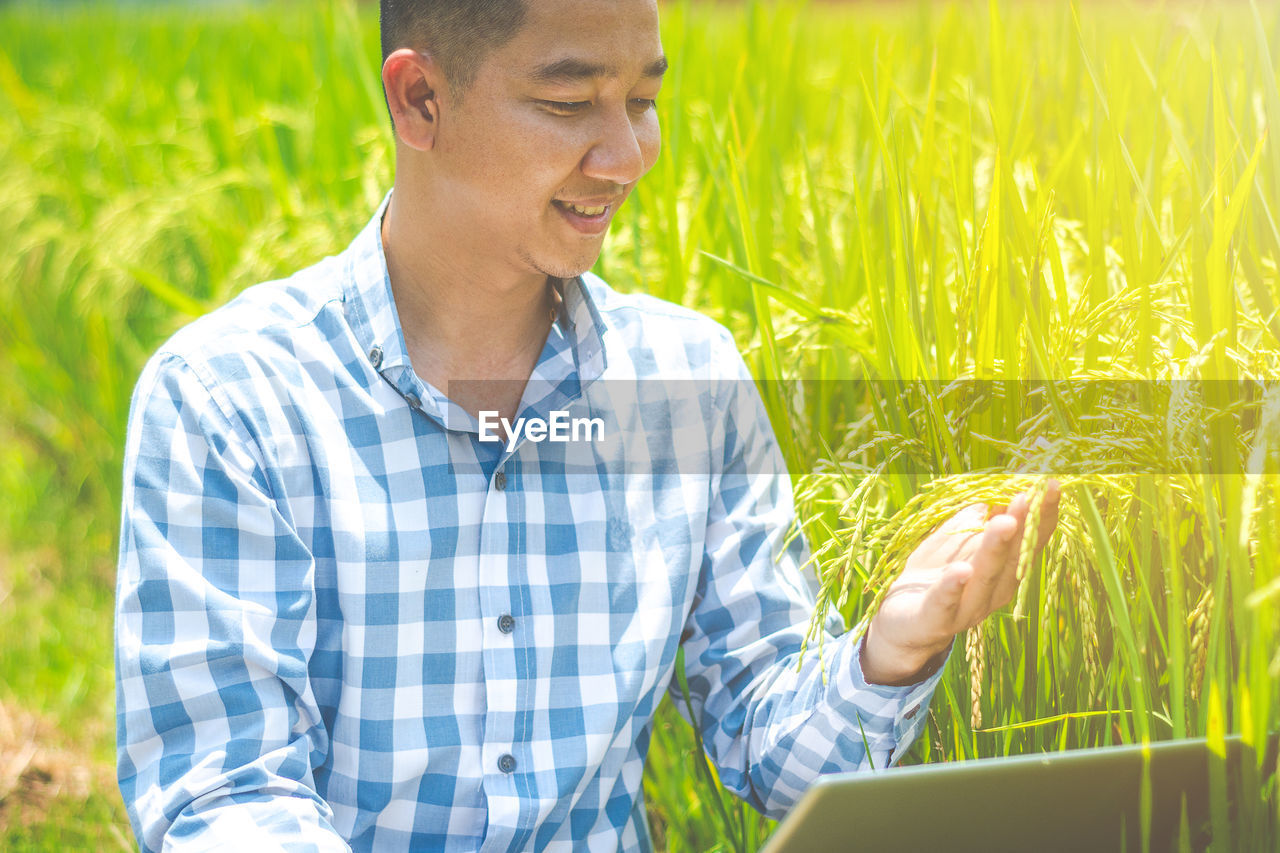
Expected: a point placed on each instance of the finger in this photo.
(971, 516)
(1049, 514)
(951, 538)
(990, 565)
(942, 602)
(1007, 587)
(1046, 524)
(1018, 509)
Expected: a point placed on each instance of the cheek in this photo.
(541, 155)
(509, 150)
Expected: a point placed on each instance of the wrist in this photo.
(890, 665)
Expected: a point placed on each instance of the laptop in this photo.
(1077, 800)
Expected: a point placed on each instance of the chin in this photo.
(566, 267)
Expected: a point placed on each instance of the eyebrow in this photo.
(573, 70)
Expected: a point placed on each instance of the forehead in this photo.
(563, 39)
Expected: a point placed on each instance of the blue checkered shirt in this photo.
(345, 622)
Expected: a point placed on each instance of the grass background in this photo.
(904, 191)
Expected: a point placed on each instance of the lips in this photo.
(587, 216)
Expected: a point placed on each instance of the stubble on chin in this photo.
(565, 268)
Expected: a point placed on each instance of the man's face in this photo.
(553, 134)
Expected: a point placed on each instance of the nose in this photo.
(618, 154)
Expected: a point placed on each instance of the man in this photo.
(345, 620)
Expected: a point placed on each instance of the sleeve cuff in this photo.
(900, 712)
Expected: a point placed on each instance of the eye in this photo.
(644, 104)
(566, 108)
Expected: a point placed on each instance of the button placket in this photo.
(502, 690)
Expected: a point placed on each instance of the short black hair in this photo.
(457, 33)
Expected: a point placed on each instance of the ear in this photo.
(413, 82)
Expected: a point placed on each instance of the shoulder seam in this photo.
(222, 406)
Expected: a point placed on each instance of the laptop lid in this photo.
(1077, 800)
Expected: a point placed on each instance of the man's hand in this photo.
(964, 571)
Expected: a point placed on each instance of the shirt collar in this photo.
(372, 312)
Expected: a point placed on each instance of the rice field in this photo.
(964, 246)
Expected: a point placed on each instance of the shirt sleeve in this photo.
(772, 722)
(217, 727)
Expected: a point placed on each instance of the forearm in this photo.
(246, 815)
(793, 725)
(212, 752)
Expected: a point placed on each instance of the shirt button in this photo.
(500, 481)
(375, 357)
(506, 623)
(507, 763)
(413, 401)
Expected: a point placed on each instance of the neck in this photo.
(461, 319)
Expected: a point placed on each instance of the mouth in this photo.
(588, 217)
